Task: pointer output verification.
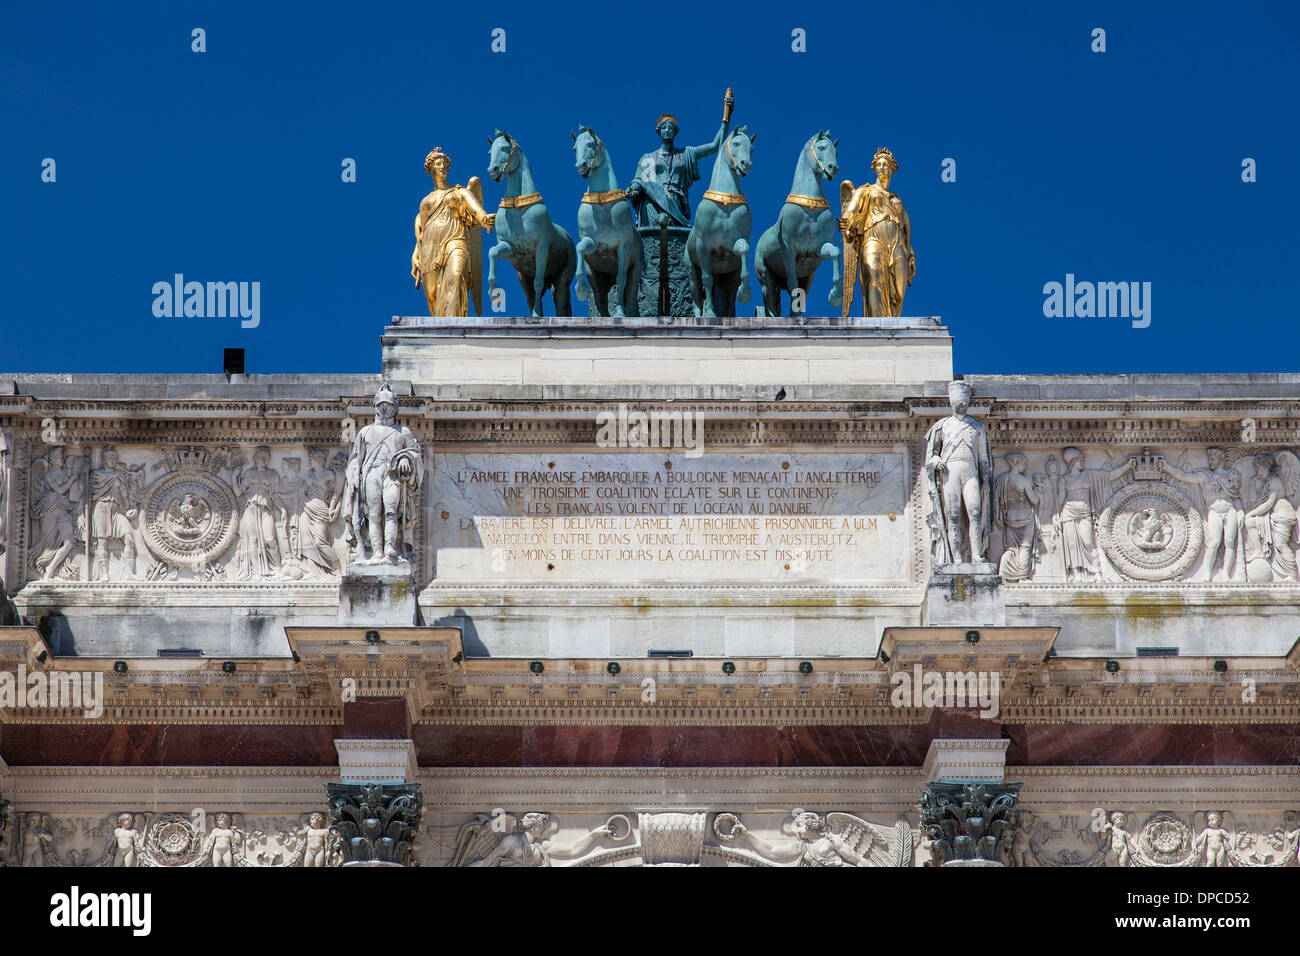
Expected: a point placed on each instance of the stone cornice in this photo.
(427, 666)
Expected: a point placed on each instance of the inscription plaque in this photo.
(664, 518)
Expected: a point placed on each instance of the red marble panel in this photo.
(136, 745)
(650, 746)
(1154, 744)
(670, 746)
(964, 724)
(377, 718)
(441, 746)
(853, 746)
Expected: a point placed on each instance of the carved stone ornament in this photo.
(1150, 532)
(503, 839)
(377, 823)
(966, 822)
(672, 838)
(189, 517)
(835, 839)
(199, 839)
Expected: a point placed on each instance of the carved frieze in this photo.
(185, 513)
(1165, 838)
(1221, 516)
(174, 839)
(679, 838)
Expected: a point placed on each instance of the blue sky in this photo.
(225, 165)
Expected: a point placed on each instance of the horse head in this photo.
(588, 151)
(819, 152)
(503, 156)
(740, 150)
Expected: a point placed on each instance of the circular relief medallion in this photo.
(1166, 841)
(172, 839)
(189, 518)
(1150, 531)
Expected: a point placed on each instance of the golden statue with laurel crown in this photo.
(448, 257)
(878, 240)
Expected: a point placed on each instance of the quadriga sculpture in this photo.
(790, 251)
(609, 251)
(718, 245)
(541, 252)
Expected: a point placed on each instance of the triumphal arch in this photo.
(713, 586)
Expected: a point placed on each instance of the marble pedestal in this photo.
(968, 594)
(377, 595)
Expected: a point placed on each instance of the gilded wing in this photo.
(476, 252)
(850, 255)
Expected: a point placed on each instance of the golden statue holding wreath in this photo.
(877, 238)
(448, 257)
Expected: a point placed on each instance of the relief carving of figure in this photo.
(1271, 522)
(316, 834)
(959, 466)
(525, 844)
(836, 839)
(223, 843)
(322, 492)
(258, 552)
(54, 517)
(291, 498)
(1213, 841)
(384, 477)
(1048, 564)
(1220, 485)
(1121, 841)
(1084, 491)
(36, 837)
(115, 492)
(1015, 503)
(127, 841)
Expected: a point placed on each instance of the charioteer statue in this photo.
(662, 186)
(660, 194)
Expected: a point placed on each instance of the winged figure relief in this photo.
(836, 839)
